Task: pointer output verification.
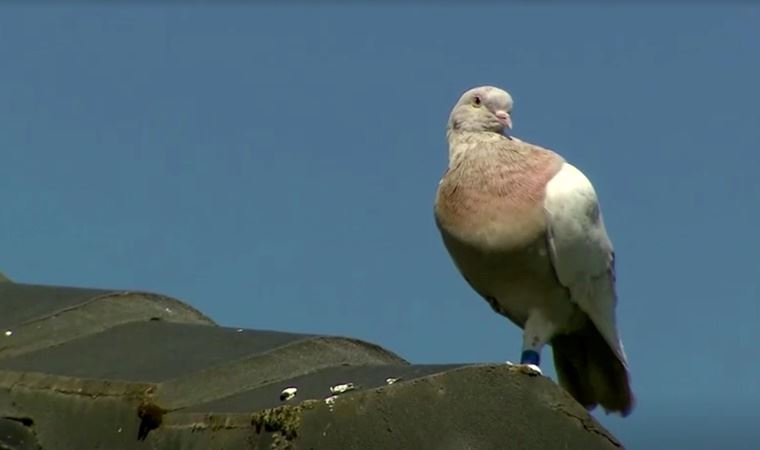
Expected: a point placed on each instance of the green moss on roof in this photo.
(283, 421)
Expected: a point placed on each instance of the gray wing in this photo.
(581, 251)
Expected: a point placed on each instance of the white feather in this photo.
(581, 252)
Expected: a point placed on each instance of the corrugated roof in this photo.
(98, 368)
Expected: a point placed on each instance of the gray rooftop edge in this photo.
(141, 375)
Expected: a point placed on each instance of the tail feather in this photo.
(589, 371)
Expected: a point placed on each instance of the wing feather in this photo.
(581, 251)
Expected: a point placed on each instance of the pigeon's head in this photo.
(484, 108)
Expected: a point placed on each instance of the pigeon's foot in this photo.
(527, 369)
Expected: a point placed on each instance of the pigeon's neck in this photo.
(486, 145)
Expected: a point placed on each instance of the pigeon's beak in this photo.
(504, 118)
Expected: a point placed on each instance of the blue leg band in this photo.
(530, 357)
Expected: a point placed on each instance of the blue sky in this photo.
(276, 169)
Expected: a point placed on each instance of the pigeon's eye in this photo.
(477, 100)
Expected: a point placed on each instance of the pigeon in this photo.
(525, 230)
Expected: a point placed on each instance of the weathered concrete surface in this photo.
(88, 369)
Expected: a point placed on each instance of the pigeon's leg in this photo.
(536, 333)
